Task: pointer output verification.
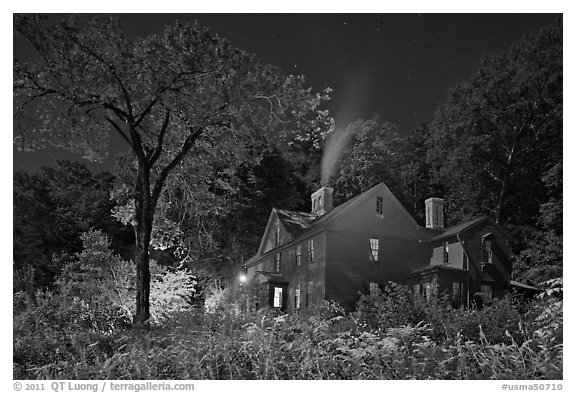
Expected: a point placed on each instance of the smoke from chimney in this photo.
(335, 144)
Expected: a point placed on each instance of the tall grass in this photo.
(264, 345)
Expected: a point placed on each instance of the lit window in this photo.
(297, 297)
(309, 294)
(374, 248)
(446, 255)
(379, 209)
(277, 262)
(278, 297)
(311, 250)
(298, 255)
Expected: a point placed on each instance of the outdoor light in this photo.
(242, 278)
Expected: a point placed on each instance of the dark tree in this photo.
(499, 133)
(52, 207)
(184, 93)
(370, 157)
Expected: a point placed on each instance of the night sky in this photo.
(396, 66)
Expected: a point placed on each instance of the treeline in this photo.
(493, 148)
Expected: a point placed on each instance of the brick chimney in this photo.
(322, 201)
(434, 213)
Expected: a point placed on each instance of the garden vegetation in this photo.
(83, 330)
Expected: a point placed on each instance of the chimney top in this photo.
(322, 201)
(434, 213)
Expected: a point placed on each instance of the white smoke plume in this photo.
(335, 144)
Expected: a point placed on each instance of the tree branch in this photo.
(159, 145)
(90, 52)
(119, 130)
(186, 146)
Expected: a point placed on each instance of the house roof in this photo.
(466, 225)
(271, 277)
(428, 269)
(295, 222)
(298, 224)
(524, 286)
(457, 229)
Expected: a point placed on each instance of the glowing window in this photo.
(278, 297)
(374, 249)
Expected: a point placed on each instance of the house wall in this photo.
(455, 254)
(349, 268)
(299, 274)
(270, 242)
(499, 272)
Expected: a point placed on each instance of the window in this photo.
(277, 262)
(416, 291)
(426, 293)
(311, 250)
(297, 297)
(486, 291)
(278, 297)
(277, 235)
(379, 204)
(487, 252)
(309, 294)
(446, 251)
(422, 290)
(374, 248)
(298, 255)
(457, 293)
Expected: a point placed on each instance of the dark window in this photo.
(277, 262)
(309, 294)
(374, 249)
(277, 235)
(311, 250)
(486, 291)
(427, 290)
(446, 253)
(487, 251)
(457, 293)
(416, 292)
(379, 209)
(298, 255)
(297, 297)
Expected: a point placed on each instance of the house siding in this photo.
(455, 254)
(343, 266)
(498, 273)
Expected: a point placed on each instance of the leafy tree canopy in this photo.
(184, 101)
(499, 133)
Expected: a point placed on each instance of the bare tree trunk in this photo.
(144, 219)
